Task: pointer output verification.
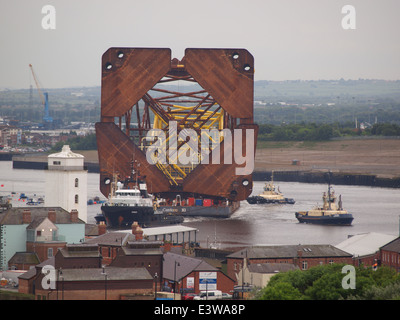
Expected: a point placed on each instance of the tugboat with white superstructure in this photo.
(329, 214)
(270, 195)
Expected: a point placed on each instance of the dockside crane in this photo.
(44, 96)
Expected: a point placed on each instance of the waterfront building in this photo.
(66, 182)
(38, 230)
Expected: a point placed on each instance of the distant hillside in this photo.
(335, 90)
(276, 102)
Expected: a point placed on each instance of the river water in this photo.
(373, 209)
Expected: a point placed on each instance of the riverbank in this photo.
(377, 157)
(369, 162)
(352, 162)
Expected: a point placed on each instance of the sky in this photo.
(289, 39)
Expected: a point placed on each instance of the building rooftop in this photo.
(113, 273)
(290, 251)
(365, 243)
(14, 215)
(24, 258)
(271, 267)
(184, 266)
(112, 239)
(65, 153)
(163, 230)
(393, 245)
(37, 222)
(80, 250)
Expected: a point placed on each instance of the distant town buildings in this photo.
(10, 135)
(17, 137)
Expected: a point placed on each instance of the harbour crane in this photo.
(44, 96)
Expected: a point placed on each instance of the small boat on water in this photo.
(270, 195)
(329, 214)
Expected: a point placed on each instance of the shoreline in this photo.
(305, 176)
(370, 162)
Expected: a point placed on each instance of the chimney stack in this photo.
(134, 227)
(52, 215)
(74, 216)
(299, 253)
(26, 216)
(102, 228)
(139, 234)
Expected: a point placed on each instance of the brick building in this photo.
(390, 254)
(193, 275)
(76, 274)
(302, 256)
(365, 247)
(78, 256)
(142, 254)
(109, 244)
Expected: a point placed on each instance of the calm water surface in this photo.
(373, 209)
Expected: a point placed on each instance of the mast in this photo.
(329, 194)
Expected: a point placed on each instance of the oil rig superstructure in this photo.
(186, 101)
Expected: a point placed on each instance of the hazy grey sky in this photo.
(289, 39)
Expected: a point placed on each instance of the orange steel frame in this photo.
(142, 84)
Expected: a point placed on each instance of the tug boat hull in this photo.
(339, 219)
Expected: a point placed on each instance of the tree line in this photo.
(269, 132)
(76, 142)
(325, 282)
(321, 132)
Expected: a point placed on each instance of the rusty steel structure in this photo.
(144, 89)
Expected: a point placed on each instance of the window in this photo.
(76, 183)
(76, 198)
(304, 265)
(38, 233)
(49, 252)
(56, 162)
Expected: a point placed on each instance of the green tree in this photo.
(325, 283)
(281, 291)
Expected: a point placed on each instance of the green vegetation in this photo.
(10, 295)
(88, 142)
(321, 132)
(325, 283)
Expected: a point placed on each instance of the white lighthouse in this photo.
(66, 182)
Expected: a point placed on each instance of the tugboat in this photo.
(328, 214)
(270, 195)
